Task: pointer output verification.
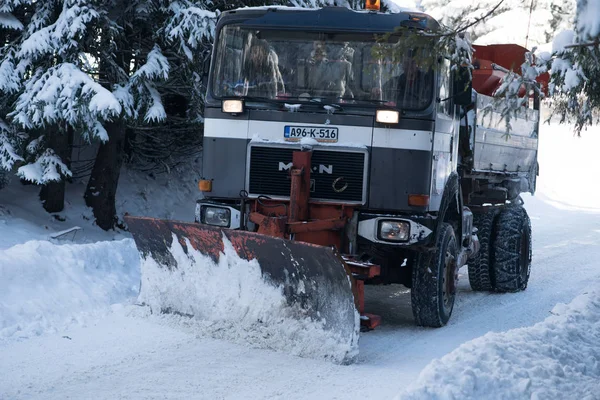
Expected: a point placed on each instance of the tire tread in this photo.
(513, 222)
(479, 267)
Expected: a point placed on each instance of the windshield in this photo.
(328, 67)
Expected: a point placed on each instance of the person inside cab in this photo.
(262, 77)
(414, 85)
(330, 77)
(411, 89)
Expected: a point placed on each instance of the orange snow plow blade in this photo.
(314, 280)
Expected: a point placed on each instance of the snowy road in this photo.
(128, 355)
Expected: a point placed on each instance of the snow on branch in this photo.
(8, 153)
(125, 98)
(47, 168)
(34, 146)
(189, 26)
(461, 52)
(156, 110)
(65, 93)
(9, 76)
(575, 71)
(140, 95)
(588, 19)
(9, 21)
(512, 95)
(45, 13)
(63, 34)
(156, 67)
(7, 6)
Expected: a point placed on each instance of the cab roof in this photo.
(327, 19)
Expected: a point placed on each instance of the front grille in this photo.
(268, 173)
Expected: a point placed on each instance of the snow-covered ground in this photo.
(70, 326)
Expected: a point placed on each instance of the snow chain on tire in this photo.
(479, 266)
(512, 250)
(428, 277)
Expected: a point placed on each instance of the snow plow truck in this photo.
(336, 165)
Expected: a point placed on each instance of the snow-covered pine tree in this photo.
(575, 71)
(563, 17)
(11, 29)
(455, 13)
(532, 22)
(129, 63)
(55, 97)
(183, 31)
(574, 85)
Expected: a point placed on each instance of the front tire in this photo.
(512, 250)
(434, 281)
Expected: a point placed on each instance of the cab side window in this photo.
(445, 90)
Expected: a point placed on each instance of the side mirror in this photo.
(462, 87)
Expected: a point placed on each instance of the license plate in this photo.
(295, 133)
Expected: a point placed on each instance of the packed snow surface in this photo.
(231, 300)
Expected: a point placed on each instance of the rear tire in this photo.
(512, 250)
(434, 281)
(479, 266)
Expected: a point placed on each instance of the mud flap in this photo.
(314, 279)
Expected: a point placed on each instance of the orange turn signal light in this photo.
(205, 185)
(418, 200)
(372, 5)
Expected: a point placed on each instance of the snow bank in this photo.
(45, 287)
(230, 300)
(557, 358)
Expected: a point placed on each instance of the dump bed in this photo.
(494, 149)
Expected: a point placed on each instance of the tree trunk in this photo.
(101, 189)
(52, 194)
(102, 186)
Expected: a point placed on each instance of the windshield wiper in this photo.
(315, 100)
(256, 99)
(279, 102)
(368, 101)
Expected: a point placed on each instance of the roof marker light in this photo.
(373, 5)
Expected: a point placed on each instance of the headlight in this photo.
(387, 116)
(217, 216)
(395, 231)
(232, 106)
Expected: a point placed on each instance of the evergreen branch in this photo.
(585, 44)
(477, 20)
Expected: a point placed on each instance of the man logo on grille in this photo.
(321, 169)
(284, 166)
